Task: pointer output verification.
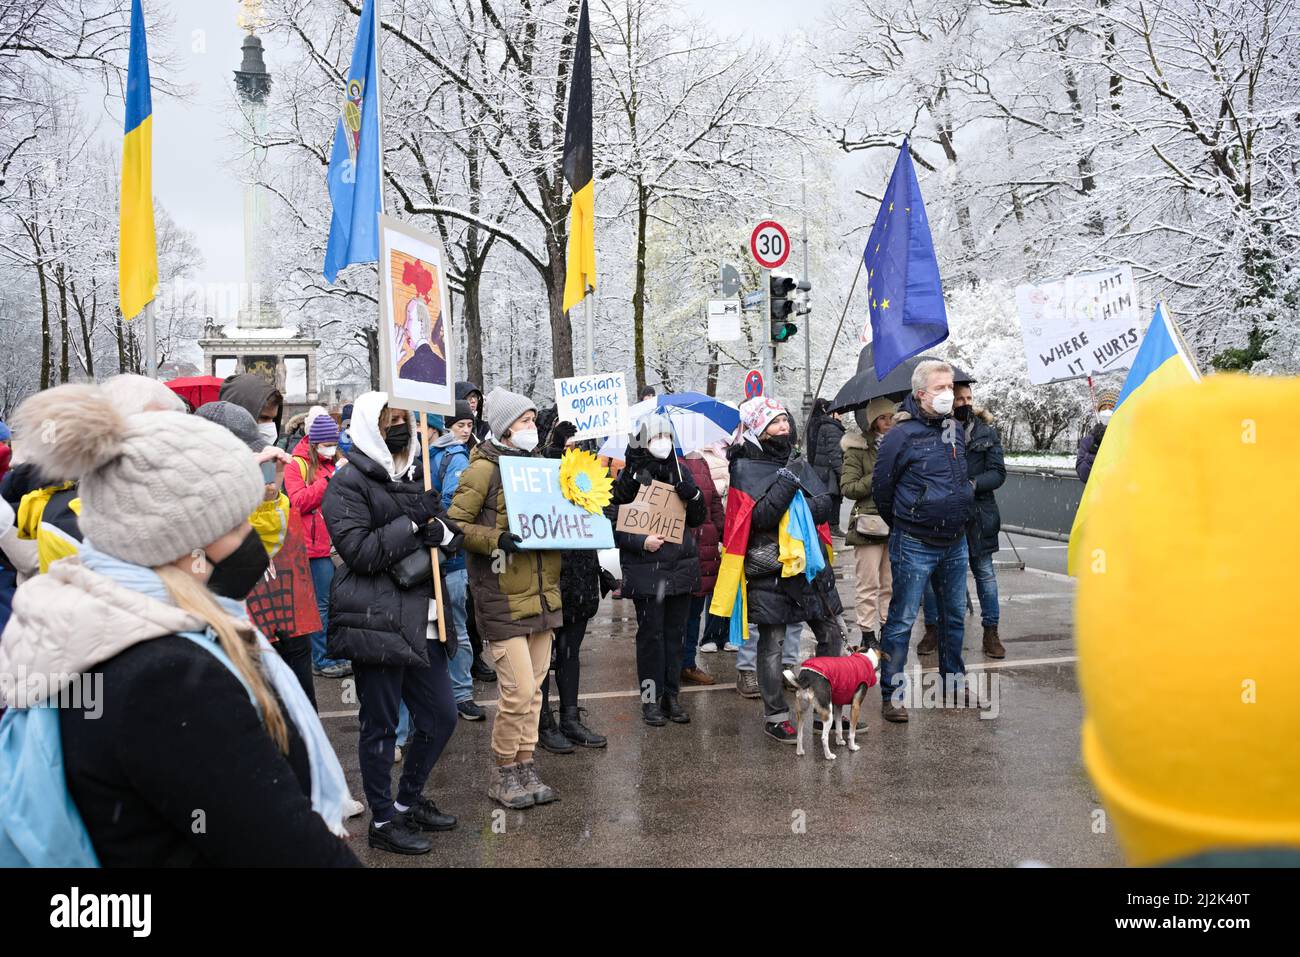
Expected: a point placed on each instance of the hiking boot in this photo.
(425, 815)
(892, 712)
(930, 642)
(747, 684)
(481, 672)
(549, 735)
(577, 732)
(782, 731)
(504, 787)
(468, 710)
(992, 643)
(399, 836)
(676, 713)
(871, 640)
(652, 715)
(697, 676)
(527, 776)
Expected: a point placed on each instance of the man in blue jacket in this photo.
(923, 492)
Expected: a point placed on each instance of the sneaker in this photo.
(340, 670)
(425, 815)
(747, 684)
(470, 711)
(697, 676)
(505, 788)
(399, 836)
(731, 648)
(542, 793)
(709, 647)
(352, 807)
(782, 731)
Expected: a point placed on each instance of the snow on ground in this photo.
(1040, 460)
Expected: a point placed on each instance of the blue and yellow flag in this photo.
(355, 172)
(137, 255)
(1161, 362)
(904, 293)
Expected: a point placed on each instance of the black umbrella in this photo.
(864, 386)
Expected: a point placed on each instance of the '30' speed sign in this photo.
(770, 244)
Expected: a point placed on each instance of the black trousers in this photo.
(427, 693)
(568, 639)
(471, 628)
(296, 652)
(661, 626)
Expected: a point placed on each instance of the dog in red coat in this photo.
(828, 684)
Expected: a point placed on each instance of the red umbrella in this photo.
(197, 390)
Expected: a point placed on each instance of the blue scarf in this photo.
(329, 789)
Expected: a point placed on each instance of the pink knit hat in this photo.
(756, 414)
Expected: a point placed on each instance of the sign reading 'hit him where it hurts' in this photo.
(539, 512)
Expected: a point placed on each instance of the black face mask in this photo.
(963, 412)
(236, 574)
(397, 437)
(778, 445)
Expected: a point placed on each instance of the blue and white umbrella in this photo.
(698, 420)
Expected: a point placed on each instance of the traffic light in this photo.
(783, 305)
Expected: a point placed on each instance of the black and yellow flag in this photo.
(577, 171)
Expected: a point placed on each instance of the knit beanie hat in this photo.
(154, 487)
(236, 419)
(463, 412)
(648, 426)
(1108, 397)
(323, 430)
(881, 405)
(434, 421)
(501, 408)
(131, 393)
(756, 415)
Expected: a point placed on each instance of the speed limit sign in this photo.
(769, 244)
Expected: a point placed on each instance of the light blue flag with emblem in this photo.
(356, 170)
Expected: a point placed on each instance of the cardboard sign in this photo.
(1081, 325)
(596, 404)
(657, 510)
(541, 515)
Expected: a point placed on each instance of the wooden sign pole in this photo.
(422, 421)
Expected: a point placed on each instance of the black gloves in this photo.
(436, 531)
(508, 542)
(607, 582)
(427, 506)
(561, 434)
(686, 490)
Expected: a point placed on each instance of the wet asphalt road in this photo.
(946, 789)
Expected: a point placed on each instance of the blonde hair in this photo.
(239, 645)
(386, 416)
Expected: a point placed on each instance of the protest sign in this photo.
(541, 515)
(1081, 325)
(596, 404)
(656, 510)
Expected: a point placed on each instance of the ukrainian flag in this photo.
(581, 261)
(137, 257)
(1161, 362)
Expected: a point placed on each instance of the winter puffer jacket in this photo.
(372, 620)
(306, 499)
(675, 568)
(860, 454)
(830, 457)
(920, 482)
(525, 597)
(447, 460)
(1088, 447)
(984, 465)
(709, 534)
(773, 600)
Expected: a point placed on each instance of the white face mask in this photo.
(525, 441)
(943, 402)
(326, 451)
(1104, 415)
(661, 448)
(268, 431)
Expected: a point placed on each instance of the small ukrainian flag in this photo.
(137, 259)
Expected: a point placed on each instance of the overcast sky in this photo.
(193, 152)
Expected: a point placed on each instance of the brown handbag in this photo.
(873, 526)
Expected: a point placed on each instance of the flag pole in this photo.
(422, 420)
(150, 342)
(591, 334)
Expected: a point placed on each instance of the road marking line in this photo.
(597, 695)
(1054, 576)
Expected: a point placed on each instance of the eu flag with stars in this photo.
(903, 288)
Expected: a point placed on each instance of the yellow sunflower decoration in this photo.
(584, 481)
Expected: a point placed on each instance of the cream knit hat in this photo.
(154, 486)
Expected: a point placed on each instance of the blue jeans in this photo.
(691, 640)
(913, 562)
(462, 685)
(986, 587)
(322, 576)
(747, 657)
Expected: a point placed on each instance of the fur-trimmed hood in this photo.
(853, 439)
